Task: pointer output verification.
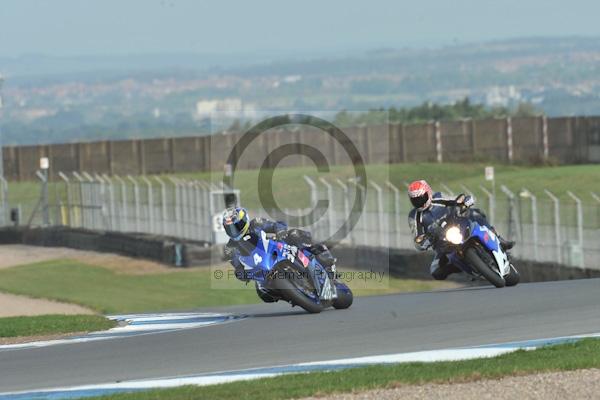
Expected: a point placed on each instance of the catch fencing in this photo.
(548, 227)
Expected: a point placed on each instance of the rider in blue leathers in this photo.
(244, 234)
(429, 209)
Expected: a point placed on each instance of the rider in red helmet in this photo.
(429, 208)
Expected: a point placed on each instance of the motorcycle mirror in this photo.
(460, 198)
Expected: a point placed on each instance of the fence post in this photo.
(124, 217)
(346, 207)
(4, 199)
(82, 211)
(579, 226)
(183, 207)
(314, 199)
(558, 243)
(198, 222)
(136, 201)
(513, 217)
(106, 183)
(163, 205)
(330, 216)
(509, 139)
(69, 196)
(545, 142)
(380, 218)
(491, 203)
(363, 194)
(177, 207)
(396, 211)
(45, 211)
(534, 221)
(150, 193)
(206, 210)
(111, 202)
(92, 198)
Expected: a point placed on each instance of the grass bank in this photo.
(108, 292)
(579, 355)
(11, 327)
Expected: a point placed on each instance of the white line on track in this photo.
(135, 325)
(456, 354)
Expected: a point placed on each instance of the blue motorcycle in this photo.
(286, 272)
(473, 248)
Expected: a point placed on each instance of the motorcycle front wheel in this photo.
(513, 277)
(475, 257)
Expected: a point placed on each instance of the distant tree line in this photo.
(434, 112)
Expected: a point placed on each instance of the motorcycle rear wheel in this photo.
(473, 257)
(344, 299)
(292, 294)
(289, 290)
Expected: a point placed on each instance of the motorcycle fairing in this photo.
(268, 253)
(490, 240)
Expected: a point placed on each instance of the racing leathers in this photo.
(296, 237)
(423, 224)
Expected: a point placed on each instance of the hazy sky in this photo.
(74, 27)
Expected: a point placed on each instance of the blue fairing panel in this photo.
(485, 236)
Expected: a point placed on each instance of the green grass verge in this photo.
(106, 291)
(52, 324)
(579, 355)
(288, 192)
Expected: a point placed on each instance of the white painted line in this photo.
(456, 354)
(134, 325)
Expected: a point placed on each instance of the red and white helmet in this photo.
(420, 195)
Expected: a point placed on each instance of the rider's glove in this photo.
(468, 202)
(423, 242)
(241, 274)
(227, 253)
(281, 236)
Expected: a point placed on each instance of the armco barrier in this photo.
(170, 251)
(176, 252)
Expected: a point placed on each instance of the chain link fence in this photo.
(551, 227)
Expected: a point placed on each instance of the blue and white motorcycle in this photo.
(474, 248)
(286, 272)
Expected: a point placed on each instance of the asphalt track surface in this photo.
(276, 334)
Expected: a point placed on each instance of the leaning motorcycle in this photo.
(286, 272)
(473, 248)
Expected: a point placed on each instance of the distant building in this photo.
(503, 96)
(225, 108)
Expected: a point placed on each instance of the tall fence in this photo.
(516, 140)
(555, 227)
(551, 227)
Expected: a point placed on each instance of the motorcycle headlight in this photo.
(453, 235)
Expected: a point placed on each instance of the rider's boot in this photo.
(505, 243)
(324, 256)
